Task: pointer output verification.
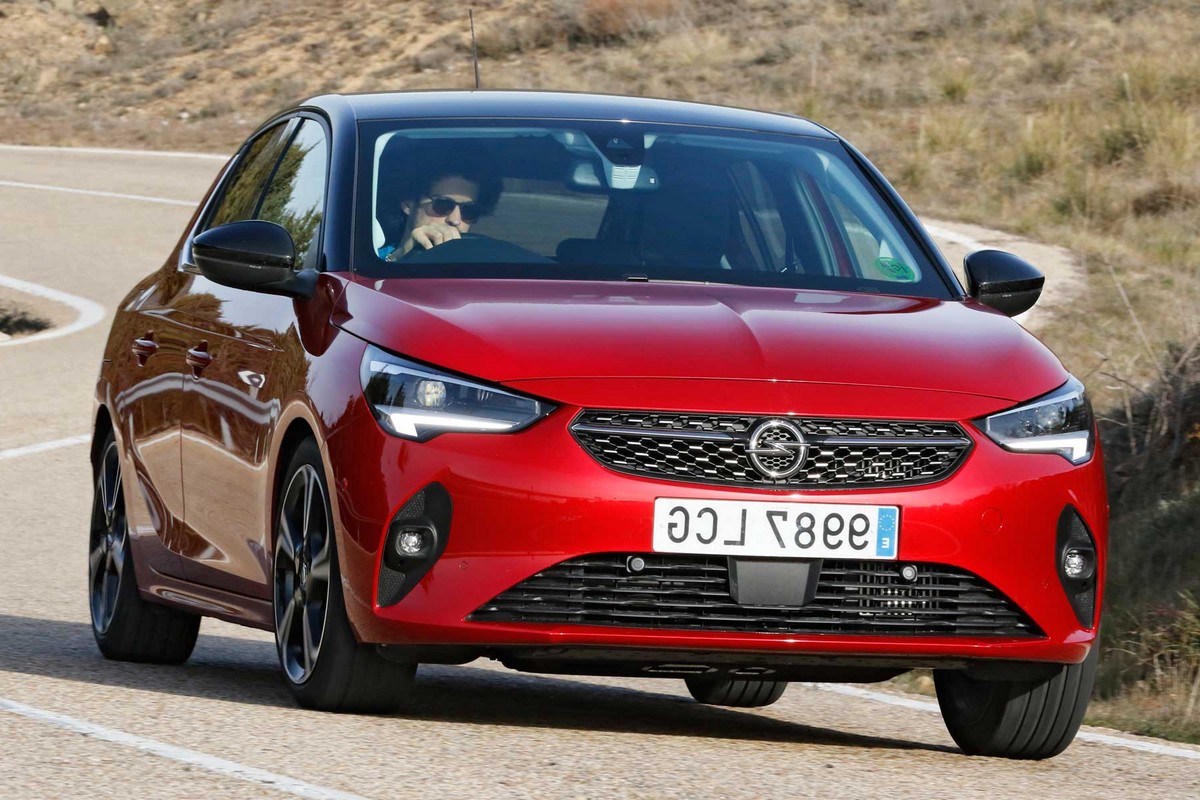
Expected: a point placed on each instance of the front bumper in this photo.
(524, 502)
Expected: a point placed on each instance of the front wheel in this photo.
(1028, 719)
(325, 666)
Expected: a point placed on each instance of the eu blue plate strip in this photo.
(885, 540)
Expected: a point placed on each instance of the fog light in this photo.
(411, 542)
(1078, 564)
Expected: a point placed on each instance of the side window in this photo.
(877, 247)
(245, 187)
(295, 197)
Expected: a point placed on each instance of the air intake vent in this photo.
(692, 593)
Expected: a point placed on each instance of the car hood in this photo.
(509, 331)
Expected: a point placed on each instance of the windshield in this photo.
(627, 201)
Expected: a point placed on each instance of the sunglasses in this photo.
(470, 211)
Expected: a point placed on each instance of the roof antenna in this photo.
(474, 50)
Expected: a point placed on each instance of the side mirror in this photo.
(255, 255)
(1002, 281)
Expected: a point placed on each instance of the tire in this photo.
(324, 665)
(735, 693)
(127, 627)
(1025, 719)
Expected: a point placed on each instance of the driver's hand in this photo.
(435, 233)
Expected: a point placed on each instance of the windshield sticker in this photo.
(895, 270)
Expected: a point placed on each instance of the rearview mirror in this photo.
(255, 255)
(1002, 281)
(587, 176)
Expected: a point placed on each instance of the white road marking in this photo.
(93, 193)
(1146, 745)
(110, 151)
(938, 232)
(42, 447)
(183, 755)
(89, 312)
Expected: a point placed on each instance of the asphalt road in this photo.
(223, 725)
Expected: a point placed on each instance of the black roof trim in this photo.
(563, 105)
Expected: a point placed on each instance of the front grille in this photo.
(682, 592)
(711, 448)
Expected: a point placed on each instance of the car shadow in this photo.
(245, 671)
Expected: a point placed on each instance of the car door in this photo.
(148, 407)
(243, 351)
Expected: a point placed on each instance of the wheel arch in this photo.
(297, 427)
(296, 433)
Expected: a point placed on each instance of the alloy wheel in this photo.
(303, 561)
(109, 541)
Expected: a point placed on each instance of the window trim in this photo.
(295, 119)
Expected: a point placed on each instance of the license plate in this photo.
(779, 530)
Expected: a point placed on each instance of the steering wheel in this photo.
(473, 248)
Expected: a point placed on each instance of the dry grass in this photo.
(15, 321)
(1152, 683)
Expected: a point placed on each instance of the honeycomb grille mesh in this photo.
(682, 592)
(702, 448)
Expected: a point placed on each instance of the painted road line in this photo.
(183, 755)
(1143, 745)
(88, 311)
(961, 239)
(42, 447)
(106, 151)
(93, 193)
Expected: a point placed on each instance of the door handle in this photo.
(198, 358)
(144, 348)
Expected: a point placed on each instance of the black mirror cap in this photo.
(255, 255)
(1002, 281)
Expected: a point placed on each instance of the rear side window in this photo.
(241, 194)
(295, 197)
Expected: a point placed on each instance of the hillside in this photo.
(1077, 124)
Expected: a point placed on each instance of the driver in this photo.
(442, 190)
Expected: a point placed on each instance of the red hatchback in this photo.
(595, 385)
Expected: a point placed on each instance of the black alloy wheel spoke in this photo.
(286, 548)
(309, 643)
(319, 571)
(303, 568)
(307, 503)
(114, 492)
(289, 618)
(117, 554)
(96, 558)
(108, 547)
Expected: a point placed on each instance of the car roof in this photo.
(562, 105)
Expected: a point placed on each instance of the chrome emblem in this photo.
(777, 449)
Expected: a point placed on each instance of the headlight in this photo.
(418, 402)
(1059, 422)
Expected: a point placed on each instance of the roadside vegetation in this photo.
(1074, 123)
(16, 321)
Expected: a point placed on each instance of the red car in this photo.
(595, 385)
